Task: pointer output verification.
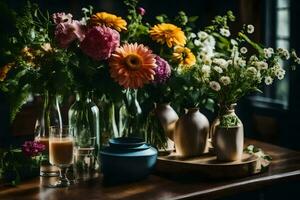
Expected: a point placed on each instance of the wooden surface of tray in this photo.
(207, 166)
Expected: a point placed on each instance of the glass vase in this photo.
(132, 116)
(84, 119)
(49, 115)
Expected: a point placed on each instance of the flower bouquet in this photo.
(130, 65)
(234, 71)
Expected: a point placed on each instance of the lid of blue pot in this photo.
(126, 142)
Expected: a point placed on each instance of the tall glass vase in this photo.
(84, 118)
(133, 115)
(49, 115)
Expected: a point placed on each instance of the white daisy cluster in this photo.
(250, 28)
(279, 71)
(225, 32)
(268, 80)
(225, 80)
(206, 70)
(283, 53)
(222, 63)
(232, 72)
(260, 65)
(218, 69)
(243, 50)
(268, 52)
(214, 85)
(205, 42)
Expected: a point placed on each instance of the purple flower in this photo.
(33, 148)
(141, 11)
(162, 71)
(62, 18)
(100, 42)
(67, 32)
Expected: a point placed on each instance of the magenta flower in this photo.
(141, 11)
(67, 32)
(32, 148)
(162, 71)
(62, 18)
(100, 42)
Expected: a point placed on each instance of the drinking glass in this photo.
(61, 144)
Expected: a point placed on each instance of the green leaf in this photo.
(193, 18)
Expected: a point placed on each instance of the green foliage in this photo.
(15, 166)
(228, 121)
(136, 30)
(264, 159)
(34, 69)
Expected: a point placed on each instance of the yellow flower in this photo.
(108, 20)
(4, 70)
(168, 33)
(184, 57)
(27, 53)
(46, 47)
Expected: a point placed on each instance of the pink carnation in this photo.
(33, 148)
(100, 42)
(67, 32)
(62, 18)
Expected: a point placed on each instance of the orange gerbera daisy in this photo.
(132, 65)
(108, 20)
(168, 33)
(184, 56)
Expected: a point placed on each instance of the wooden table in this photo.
(285, 167)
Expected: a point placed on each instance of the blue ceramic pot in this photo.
(127, 159)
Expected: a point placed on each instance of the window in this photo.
(282, 38)
(277, 34)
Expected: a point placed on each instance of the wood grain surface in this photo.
(285, 167)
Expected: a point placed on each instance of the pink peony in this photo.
(67, 32)
(162, 71)
(62, 18)
(100, 42)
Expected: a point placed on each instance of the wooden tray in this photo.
(207, 166)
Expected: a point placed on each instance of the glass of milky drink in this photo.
(61, 144)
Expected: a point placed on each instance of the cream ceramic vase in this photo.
(167, 117)
(223, 110)
(191, 134)
(229, 143)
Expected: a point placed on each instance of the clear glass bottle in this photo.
(49, 115)
(84, 118)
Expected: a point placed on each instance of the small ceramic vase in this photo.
(223, 110)
(191, 134)
(167, 117)
(229, 143)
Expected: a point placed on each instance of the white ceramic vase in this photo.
(229, 143)
(167, 117)
(191, 134)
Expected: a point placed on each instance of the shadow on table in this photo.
(276, 192)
